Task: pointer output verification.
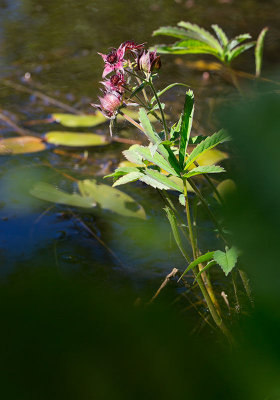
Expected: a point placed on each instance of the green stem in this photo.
(160, 108)
(217, 319)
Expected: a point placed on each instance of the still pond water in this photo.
(52, 47)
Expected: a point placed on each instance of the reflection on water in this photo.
(54, 46)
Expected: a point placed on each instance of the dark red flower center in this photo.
(112, 57)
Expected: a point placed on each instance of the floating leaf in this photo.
(47, 192)
(225, 188)
(226, 260)
(112, 199)
(79, 121)
(21, 145)
(75, 139)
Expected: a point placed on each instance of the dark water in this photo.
(52, 46)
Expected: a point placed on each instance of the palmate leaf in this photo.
(239, 50)
(171, 31)
(186, 126)
(174, 49)
(220, 34)
(196, 46)
(207, 169)
(259, 51)
(207, 144)
(202, 34)
(227, 260)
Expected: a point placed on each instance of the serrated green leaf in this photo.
(148, 129)
(153, 182)
(121, 171)
(202, 34)
(79, 121)
(157, 159)
(127, 178)
(205, 257)
(206, 169)
(226, 260)
(220, 34)
(237, 40)
(164, 180)
(207, 144)
(132, 155)
(171, 31)
(75, 139)
(259, 51)
(186, 126)
(47, 192)
(238, 50)
(111, 199)
(176, 234)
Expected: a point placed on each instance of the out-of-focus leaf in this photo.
(237, 40)
(240, 49)
(220, 34)
(47, 192)
(259, 51)
(225, 188)
(21, 145)
(207, 266)
(167, 88)
(226, 260)
(202, 34)
(79, 121)
(111, 199)
(75, 139)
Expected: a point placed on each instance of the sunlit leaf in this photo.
(205, 257)
(207, 266)
(75, 139)
(259, 51)
(111, 199)
(207, 169)
(226, 260)
(226, 188)
(21, 145)
(207, 144)
(220, 34)
(186, 126)
(128, 177)
(47, 192)
(79, 121)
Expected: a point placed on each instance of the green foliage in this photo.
(186, 126)
(259, 51)
(196, 40)
(206, 169)
(203, 258)
(226, 260)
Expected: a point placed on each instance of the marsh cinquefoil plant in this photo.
(195, 40)
(166, 163)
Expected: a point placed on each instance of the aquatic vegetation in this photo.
(170, 162)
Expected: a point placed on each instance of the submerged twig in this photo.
(16, 128)
(172, 274)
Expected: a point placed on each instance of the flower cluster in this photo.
(122, 63)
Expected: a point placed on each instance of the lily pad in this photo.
(80, 121)
(75, 139)
(21, 145)
(112, 199)
(47, 192)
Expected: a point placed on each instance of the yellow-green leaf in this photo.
(75, 139)
(80, 121)
(21, 145)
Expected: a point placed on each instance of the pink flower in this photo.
(109, 104)
(115, 83)
(132, 46)
(148, 61)
(113, 61)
